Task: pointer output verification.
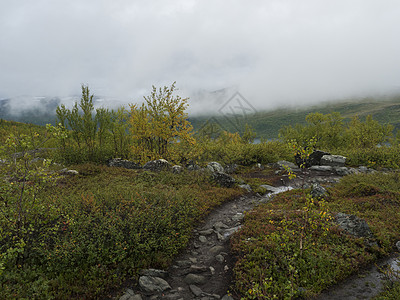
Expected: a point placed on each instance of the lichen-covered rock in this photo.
(333, 160)
(215, 167)
(153, 284)
(176, 169)
(318, 191)
(157, 165)
(230, 169)
(223, 179)
(354, 225)
(313, 160)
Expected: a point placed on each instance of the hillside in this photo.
(265, 123)
(268, 123)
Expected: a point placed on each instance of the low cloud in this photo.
(275, 53)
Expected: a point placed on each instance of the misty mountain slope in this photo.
(268, 123)
(265, 123)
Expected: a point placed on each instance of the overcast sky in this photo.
(273, 52)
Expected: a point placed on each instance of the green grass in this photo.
(291, 247)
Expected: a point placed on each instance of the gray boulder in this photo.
(246, 187)
(354, 225)
(215, 167)
(123, 163)
(321, 168)
(318, 191)
(153, 284)
(343, 171)
(223, 179)
(193, 167)
(157, 165)
(176, 169)
(313, 160)
(333, 160)
(230, 169)
(66, 171)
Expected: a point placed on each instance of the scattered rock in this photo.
(219, 225)
(68, 172)
(154, 273)
(246, 187)
(153, 284)
(238, 217)
(313, 160)
(227, 297)
(157, 165)
(176, 169)
(230, 169)
(322, 168)
(223, 179)
(206, 232)
(194, 279)
(318, 191)
(354, 225)
(212, 270)
(215, 167)
(130, 295)
(193, 167)
(195, 290)
(216, 249)
(343, 171)
(203, 239)
(122, 163)
(258, 166)
(333, 160)
(198, 269)
(219, 258)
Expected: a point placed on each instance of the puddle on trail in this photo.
(364, 285)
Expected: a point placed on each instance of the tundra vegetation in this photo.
(83, 236)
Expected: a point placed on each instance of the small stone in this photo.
(226, 268)
(219, 225)
(153, 284)
(193, 260)
(212, 270)
(220, 237)
(203, 239)
(195, 290)
(238, 217)
(398, 245)
(194, 279)
(219, 258)
(216, 249)
(206, 232)
(198, 268)
(227, 297)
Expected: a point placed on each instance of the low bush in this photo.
(290, 247)
(100, 227)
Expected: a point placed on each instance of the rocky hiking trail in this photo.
(204, 269)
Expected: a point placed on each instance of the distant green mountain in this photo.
(267, 123)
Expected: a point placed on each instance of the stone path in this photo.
(204, 270)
